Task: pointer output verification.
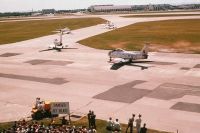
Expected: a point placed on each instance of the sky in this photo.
(28, 5)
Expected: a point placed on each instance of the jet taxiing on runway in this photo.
(58, 45)
(110, 25)
(65, 30)
(122, 56)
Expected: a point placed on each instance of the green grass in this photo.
(101, 125)
(179, 35)
(11, 32)
(160, 15)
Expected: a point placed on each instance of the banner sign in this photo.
(60, 108)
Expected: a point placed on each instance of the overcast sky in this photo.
(28, 5)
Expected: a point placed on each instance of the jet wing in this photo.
(117, 66)
(45, 50)
(118, 63)
(119, 60)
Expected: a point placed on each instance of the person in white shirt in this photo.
(109, 126)
(37, 102)
(138, 123)
(117, 127)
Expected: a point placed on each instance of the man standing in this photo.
(93, 120)
(138, 123)
(143, 129)
(130, 124)
(89, 118)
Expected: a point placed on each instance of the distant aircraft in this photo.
(110, 25)
(122, 56)
(58, 45)
(65, 30)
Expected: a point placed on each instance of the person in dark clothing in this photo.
(143, 129)
(64, 121)
(89, 118)
(130, 124)
(93, 120)
(15, 126)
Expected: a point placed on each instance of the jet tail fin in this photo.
(145, 49)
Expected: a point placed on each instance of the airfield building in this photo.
(150, 7)
(109, 8)
(48, 11)
(114, 8)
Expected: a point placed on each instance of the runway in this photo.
(166, 92)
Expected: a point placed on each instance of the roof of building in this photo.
(112, 7)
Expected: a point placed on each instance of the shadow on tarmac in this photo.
(117, 66)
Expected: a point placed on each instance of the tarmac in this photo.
(165, 88)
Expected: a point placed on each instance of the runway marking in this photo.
(48, 62)
(190, 107)
(168, 91)
(124, 93)
(197, 66)
(128, 94)
(9, 54)
(57, 81)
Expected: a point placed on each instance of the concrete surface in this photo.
(89, 75)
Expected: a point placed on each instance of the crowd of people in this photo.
(138, 122)
(113, 126)
(35, 127)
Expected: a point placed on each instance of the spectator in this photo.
(117, 127)
(93, 120)
(138, 123)
(64, 121)
(15, 126)
(109, 126)
(37, 102)
(130, 124)
(143, 129)
(40, 106)
(133, 117)
(89, 118)
(23, 122)
(52, 121)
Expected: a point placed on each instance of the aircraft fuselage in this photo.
(128, 55)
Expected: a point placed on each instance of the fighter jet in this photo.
(120, 57)
(58, 45)
(110, 25)
(65, 30)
